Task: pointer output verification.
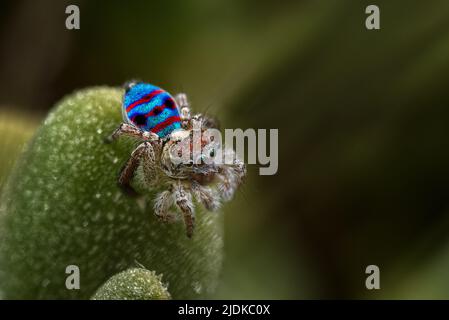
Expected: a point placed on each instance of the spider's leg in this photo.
(132, 131)
(162, 204)
(183, 200)
(143, 151)
(186, 117)
(208, 197)
(208, 122)
(237, 166)
(149, 163)
(202, 121)
(239, 170)
(231, 175)
(184, 109)
(227, 186)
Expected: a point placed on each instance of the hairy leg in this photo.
(184, 108)
(183, 200)
(208, 197)
(231, 176)
(239, 170)
(132, 131)
(227, 186)
(149, 164)
(143, 151)
(209, 122)
(162, 204)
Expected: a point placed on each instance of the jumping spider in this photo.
(163, 124)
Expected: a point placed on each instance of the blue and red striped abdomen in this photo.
(151, 109)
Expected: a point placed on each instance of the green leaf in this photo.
(61, 206)
(133, 284)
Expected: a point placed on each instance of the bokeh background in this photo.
(362, 116)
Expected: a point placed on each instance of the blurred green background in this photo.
(362, 116)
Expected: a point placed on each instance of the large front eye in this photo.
(212, 153)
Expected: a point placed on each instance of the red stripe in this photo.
(161, 108)
(151, 113)
(144, 99)
(166, 123)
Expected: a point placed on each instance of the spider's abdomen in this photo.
(151, 109)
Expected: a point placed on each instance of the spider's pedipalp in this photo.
(162, 204)
(206, 195)
(183, 200)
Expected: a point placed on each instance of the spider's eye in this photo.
(157, 111)
(212, 153)
(140, 120)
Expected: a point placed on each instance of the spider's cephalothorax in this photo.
(164, 125)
